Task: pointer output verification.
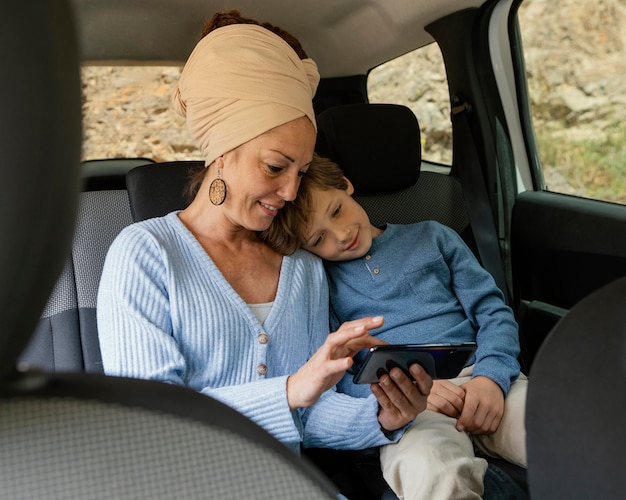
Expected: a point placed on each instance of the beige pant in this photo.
(435, 461)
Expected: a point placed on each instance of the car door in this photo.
(544, 97)
(569, 225)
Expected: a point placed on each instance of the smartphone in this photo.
(439, 360)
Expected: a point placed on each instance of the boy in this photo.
(431, 289)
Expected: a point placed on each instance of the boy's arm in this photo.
(483, 302)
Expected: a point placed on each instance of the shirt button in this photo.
(261, 369)
(376, 271)
(264, 338)
(368, 257)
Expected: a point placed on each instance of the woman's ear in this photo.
(216, 164)
(350, 188)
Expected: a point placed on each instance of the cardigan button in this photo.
(263, 338)
(368, 257)
(376, 271)
(261, 369)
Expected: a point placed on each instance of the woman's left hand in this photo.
(401, 399)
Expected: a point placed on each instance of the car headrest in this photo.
(40, 147)
(558, 463)
(157, 189)
(376, 145)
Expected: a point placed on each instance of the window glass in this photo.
(127, 113)
(418, 80)
(575, 60)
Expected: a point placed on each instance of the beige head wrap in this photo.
(240, 81)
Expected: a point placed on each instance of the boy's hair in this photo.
(286, 233)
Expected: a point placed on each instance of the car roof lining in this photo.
(164, 32)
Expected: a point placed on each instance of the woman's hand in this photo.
(483, 407)
(329, 363)
(447, 398)
(400, 398)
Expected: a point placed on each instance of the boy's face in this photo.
(339, 228)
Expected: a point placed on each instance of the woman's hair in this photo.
(219, 20)
(286, 233)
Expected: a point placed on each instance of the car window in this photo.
(574, 66)
(418, 80)
(127, 113)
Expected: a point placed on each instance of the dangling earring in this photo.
(217, 189)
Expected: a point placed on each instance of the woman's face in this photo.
(264, 173)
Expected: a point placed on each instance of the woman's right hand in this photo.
(401, 399)
(330, 362)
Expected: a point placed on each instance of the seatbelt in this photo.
(467, 164)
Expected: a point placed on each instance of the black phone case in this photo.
(439, 360)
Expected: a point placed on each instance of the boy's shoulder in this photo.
(428, 235)
(423, 227)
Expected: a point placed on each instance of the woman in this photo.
(195, 298)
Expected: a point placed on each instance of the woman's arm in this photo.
(137, 337)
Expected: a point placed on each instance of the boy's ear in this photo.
(350, 188)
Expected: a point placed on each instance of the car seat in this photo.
(108, 173)
(66, 336)
(378, 147)
(576, 433)
(79, 435)
(168, 179)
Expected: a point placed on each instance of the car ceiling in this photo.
(344, 37)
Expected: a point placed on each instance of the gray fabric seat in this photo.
(66, 337)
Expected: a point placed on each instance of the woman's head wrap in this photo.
(240, 81)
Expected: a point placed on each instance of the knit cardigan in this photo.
(165, 312)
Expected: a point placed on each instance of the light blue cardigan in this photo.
(165, 312)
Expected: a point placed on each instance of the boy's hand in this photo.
(483, 407)
(447, 398)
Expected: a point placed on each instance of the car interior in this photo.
(559, 260)
(70, 434)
